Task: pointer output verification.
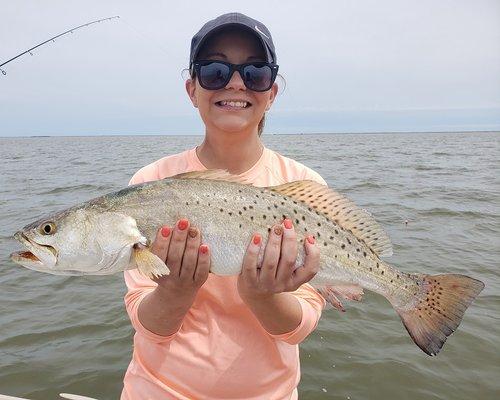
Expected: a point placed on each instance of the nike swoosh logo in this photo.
(262, 33)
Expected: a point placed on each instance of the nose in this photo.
(236, 83)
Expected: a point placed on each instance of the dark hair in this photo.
(261, 125)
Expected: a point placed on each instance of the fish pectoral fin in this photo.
(333, 294)
(148, 264)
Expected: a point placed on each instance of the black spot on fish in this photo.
(264, 216)
(303, 218)
(244, 208)
(364, 253)
(348, 241)
(331, 237)
(319, 223)
(336, 232)
(343, 246)
(250, 207)
(239, 212)
(230, 213)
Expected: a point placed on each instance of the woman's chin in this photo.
(234, 125)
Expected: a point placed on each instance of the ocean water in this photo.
(72, 334)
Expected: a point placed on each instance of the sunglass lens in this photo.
(258, 78)
(214, 75)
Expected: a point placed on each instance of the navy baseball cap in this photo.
(233, 19)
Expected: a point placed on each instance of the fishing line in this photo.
(53, 39)
(145, 37)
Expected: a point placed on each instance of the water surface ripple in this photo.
(71, 334)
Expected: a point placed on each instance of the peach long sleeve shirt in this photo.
(220, 351)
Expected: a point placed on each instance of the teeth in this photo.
(238, 104)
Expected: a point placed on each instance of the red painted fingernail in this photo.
(287, 223)
(311, 239)
(182, 224)
(204, 249)
(165, 231)
(256, 239)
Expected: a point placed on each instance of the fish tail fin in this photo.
(438, 309)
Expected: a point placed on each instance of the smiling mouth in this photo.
(234, 104)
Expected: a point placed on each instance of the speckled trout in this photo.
(113, 233)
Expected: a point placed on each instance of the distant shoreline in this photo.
(277, 134)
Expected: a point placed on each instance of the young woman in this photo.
(202, 336)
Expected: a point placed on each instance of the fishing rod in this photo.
(53, 39)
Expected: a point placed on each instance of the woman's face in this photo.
(236, 47)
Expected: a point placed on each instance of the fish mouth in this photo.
(37, 255)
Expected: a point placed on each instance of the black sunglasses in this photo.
(215, 75)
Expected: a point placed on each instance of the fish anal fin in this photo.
(148, 264)
(439, 309)
(340, 210)
(333, 294)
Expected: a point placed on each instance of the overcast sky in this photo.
(350, 66)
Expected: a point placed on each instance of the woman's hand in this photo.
(277, 273)
(185, 256)
(162, 311)
(263, 288)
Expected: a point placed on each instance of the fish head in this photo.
(78, 241)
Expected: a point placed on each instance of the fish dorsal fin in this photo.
(341, 210)
(212, 174)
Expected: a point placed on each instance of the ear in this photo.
(191, 91)
(272, 96)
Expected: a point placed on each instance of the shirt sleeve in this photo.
(138, 286)
(312, 304)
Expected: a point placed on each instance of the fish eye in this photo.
(48, 228)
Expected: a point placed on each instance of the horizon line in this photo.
(269, 133)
